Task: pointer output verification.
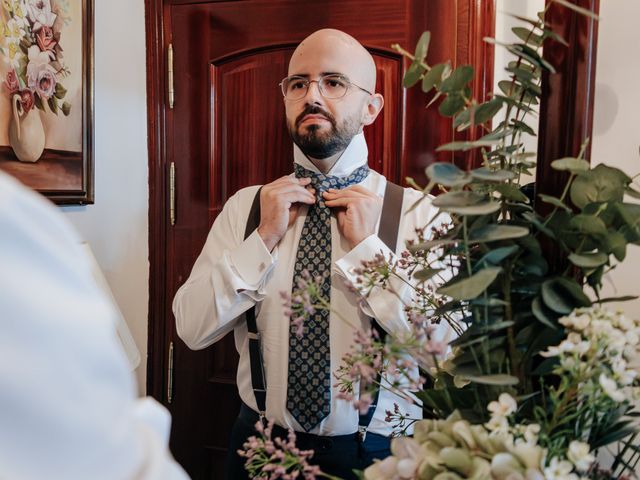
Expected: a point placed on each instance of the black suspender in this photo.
(388, 233)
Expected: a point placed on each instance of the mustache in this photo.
(315, 110)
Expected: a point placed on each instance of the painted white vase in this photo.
(26, 133)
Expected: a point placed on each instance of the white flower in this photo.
(610, 388)
(579, 455)
(15, 31)
(497, 425)
(382, 470)
(38, 61)
(531, 433)
(576, 322)
(15, 55)
(559, 470)
(40, 13)
(505, 406)
(626, 377)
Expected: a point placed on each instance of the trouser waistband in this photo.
(303, 439)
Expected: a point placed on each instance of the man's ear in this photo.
(372, 108)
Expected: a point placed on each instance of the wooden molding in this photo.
(566, 110)
(156, 364)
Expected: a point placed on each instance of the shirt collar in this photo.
(355, 155)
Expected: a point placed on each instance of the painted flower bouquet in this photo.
(541, 378)
(30, 42)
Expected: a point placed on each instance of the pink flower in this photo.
(11, 83)
(46, 84)
(45, 39)
(27, 100)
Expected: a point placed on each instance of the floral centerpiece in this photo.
(31, 44)
(541, 376)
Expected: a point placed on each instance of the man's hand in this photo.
(357, 211)
(279, 205)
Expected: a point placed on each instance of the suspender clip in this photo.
(362, 433)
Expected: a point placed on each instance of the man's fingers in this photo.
(299, 197)
(340, 202)
(285, 189)
(350, 193)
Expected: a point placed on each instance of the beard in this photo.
(318, 144)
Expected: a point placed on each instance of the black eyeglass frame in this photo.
(322, 77)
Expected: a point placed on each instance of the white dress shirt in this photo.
(68, 406)
(232, 274)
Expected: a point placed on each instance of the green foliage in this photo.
(507, 294)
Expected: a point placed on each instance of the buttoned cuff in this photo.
(366, 250)
(252, 261)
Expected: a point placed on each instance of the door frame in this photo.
(577, 74)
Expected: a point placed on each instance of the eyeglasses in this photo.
(331, 86)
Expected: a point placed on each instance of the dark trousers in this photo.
(337, 455)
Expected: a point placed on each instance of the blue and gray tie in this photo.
(309, 379)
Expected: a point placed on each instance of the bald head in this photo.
(333, 51)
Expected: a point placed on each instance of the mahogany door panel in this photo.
(227, 130)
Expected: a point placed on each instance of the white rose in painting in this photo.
(39, 12)
(38, 61)
(579, 455)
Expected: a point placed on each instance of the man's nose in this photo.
(313, 93)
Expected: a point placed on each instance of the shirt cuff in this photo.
(252, 260)
(366, 250)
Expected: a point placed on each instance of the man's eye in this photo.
(334, 82)
(296, 85)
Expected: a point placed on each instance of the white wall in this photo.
(116, 227)
(616, 129)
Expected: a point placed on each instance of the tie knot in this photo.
(322, 182)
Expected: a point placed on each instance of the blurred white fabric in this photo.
(124, 334)
(68, 406)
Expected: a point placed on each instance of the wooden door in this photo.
(227, 130)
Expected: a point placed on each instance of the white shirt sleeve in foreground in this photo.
(68, 406)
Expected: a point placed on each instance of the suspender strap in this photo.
(390, 216)
(388, 233)
(255, 349)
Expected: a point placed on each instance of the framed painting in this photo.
(46, 98)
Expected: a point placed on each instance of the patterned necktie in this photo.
(309, 379)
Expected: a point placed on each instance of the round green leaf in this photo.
(556, 202)
(543, 314)
(588, 260)
(511, 191)
(451, 105)
(589, 224)
(413, 74)
(602, 184)
(493, 233)
(487, 110)
(563, 295)
(433, 78)
(488, 175)
(447, 174)
(494, 257)
(472, 286)
(422, 46)
(458, 199)
(458, 79)
(569, 164)
(426, 273)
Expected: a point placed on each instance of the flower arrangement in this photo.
(541, 376)
(30, 41)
